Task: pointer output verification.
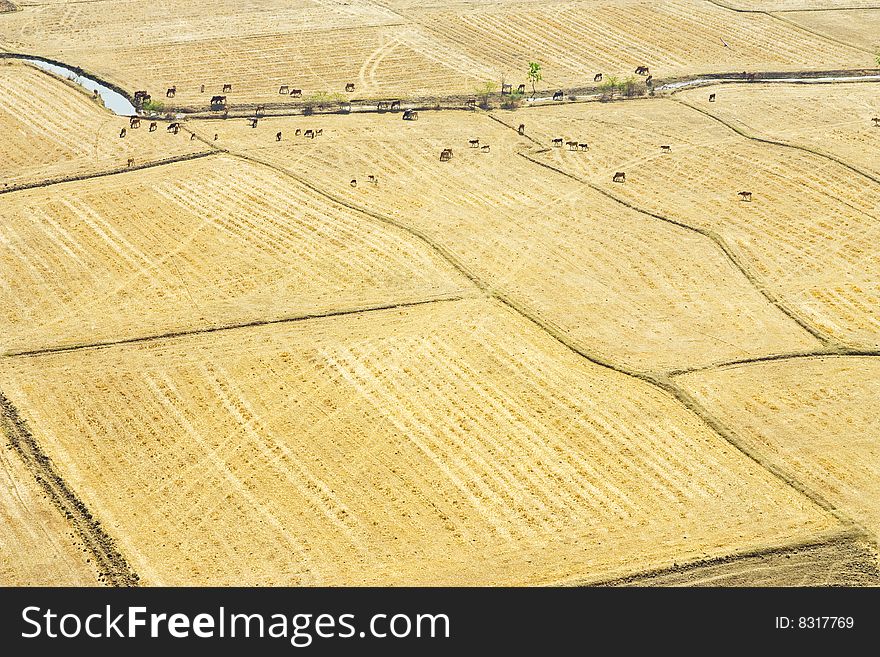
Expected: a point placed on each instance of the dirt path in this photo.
(112, 566)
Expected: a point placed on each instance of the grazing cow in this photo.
(666, 149)
(446, 155)
(227, 88)
(642, 70)
(711, 98)
(141, 97)
(649, 81)
(153, 126)
(216, 136)
(192, 136)
(373, 179)
(484, 148)
(521, 89)
(122, 133)
(349, 87)
(253, 121)
(218, 102)
(309, 134)
(521, 129)
(506, 89)
(558, 95)
(410, 115)
(171, 92)
(278, 136)
(619, 177)
(395, 105)
(876, 121)
(745, 196)
(474, 143)
(134, 122)
(298, 132)
(584, 146)
(597, 77)
(173, 128)
(284, 90)
(572, 145)
(354, 182)
(471, 103)
(296, 93)
(130, 162)
(319, 132)
(260, 111)
(557, 141)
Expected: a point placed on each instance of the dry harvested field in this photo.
(193, 246)
(814, 418)
(808, 236)
(789, 6)
(252, 357)
(357, 450)
(37, 547)
(52, 129)
(834, 119)
(857, 27)
(632, 289)
(405, 49)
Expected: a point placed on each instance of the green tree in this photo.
(535, 75)
(484, 92)
(609, 86)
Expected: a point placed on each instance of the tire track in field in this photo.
(112, 567)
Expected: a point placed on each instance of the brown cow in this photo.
(284, 90)
(572, 145)
(484, 148)
(349, 87)
(474, 143)
(122, 133)
(134, 122)
(557, 141)
(584, 146)
(745, 196)
(521, 129)
(711, 98)
(619, 177)
(597, 77)
(296, 93)
(278, 136)
(153, 126)
(666, 149)
(558, 95)
(170, 93)
(227, 88)
(446, 155)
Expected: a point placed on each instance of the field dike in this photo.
(112, 567)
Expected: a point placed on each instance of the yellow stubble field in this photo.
(37, 546)
(807, 235)
(403, 49)
(814, 418)
(53, 130)
(629, 288)
(454, 443)
(836, 119)
(193, 246)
